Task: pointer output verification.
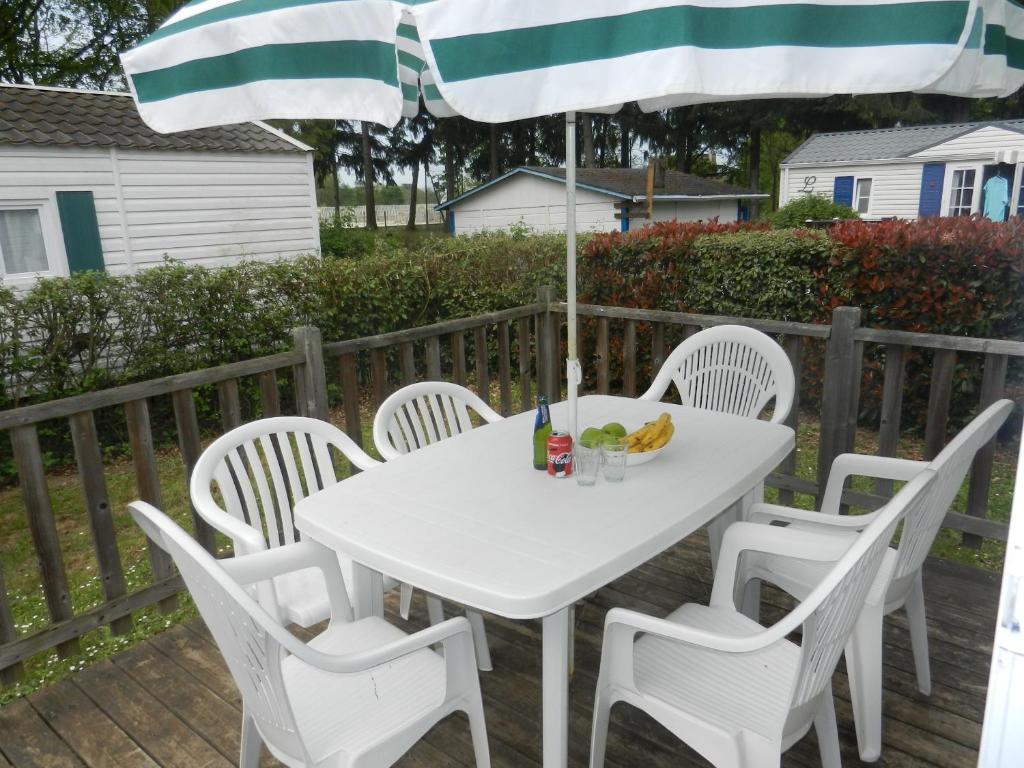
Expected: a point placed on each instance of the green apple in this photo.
(615, 429)
(592, 437)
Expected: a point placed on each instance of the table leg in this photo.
(738, 511)
(556, 689)
(368, 586)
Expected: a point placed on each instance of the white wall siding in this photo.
(540, 205)
(982, 143)
(895, 187)
(197, 207)
(695, 210)
(215, 207)
(28, 172)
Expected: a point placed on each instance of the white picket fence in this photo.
(387, 215)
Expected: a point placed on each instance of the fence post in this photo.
(547, 348)
(841, 388)
(313, 390)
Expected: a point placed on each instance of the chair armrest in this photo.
(622, 621)
(768, 513)
(265, 565)
(787, 542)
(246, 539)
(352, 663)
(848, 465)
(360, 458)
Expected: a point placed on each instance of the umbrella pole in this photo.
(573, 371)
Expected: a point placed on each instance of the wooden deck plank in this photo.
(198, 707)
(175, 690)
(94, 737)
(150, 724)
(197, 654)
(26, 741)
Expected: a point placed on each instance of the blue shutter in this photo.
(81, 231)
(932, 176)
(451, 221)
(624, 218)
(842, 190)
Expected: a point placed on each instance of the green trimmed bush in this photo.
(797, 212)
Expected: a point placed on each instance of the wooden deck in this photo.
(171, 702)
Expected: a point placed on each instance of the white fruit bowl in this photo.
(635, 459)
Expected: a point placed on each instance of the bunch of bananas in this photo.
(652, 435)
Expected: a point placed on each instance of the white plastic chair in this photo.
(734, 691)
(729, 369)
(864, 652)
(419, 415)
(360, 694)
(261, 470)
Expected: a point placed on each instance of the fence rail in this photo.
(520, 351)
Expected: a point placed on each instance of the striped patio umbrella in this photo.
(223, 61)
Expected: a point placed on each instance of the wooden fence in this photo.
(519, 349)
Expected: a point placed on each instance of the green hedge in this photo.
(949, 276)
(91, 331)
(86, 332)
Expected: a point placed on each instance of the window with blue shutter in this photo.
(932, 176)
(81, 231)
(842, 190)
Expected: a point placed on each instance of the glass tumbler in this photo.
(615, 453)
(586, 463)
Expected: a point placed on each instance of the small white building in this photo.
(86, 185)
(606, 199)
(928, 170)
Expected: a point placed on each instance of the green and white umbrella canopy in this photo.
(225, 61)
(222, 61)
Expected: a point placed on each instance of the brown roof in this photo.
(58, 117)
(633, 182)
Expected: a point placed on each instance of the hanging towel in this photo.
(997, 195)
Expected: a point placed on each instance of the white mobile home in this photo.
(86, 185)
(928, 170)
(606, 199)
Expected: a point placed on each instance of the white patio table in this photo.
(470, 520)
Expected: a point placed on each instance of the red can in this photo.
(559, 454)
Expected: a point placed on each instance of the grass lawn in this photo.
(19, 567)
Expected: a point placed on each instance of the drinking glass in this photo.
(586, 463)
(614, 452)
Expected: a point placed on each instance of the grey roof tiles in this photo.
(884, 143)
(51, 117)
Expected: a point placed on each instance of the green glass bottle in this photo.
(541, 430)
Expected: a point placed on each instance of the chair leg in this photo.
(750, 604)
(599, 730)
(405, 602)
(919, 635)
(434, 610)
(251, 742)
(864, 670)
(478, 730)
(827, 731)
(483, 651)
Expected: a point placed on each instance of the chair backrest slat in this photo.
(422, 414)
(951, 467)
(729, 369)
(275, 532)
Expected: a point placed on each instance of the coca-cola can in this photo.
(559, 454)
